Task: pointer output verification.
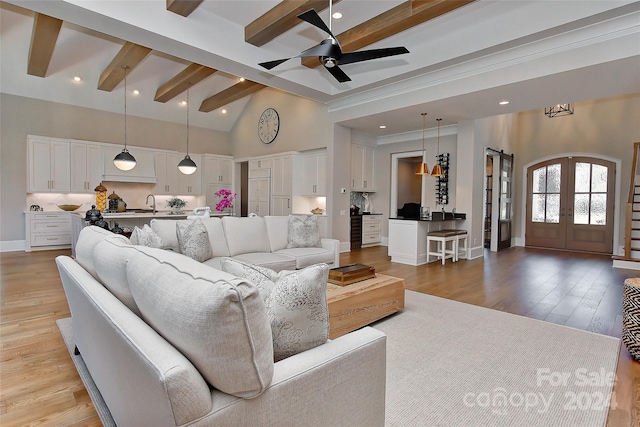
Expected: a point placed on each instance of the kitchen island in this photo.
(408, 238)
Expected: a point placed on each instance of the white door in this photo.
(259, 196)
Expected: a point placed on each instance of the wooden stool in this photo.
(441, 238)
(461, 236)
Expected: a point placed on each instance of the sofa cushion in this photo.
(308, 256)
(193, 238)
(216, 236)
(166, 229)
(218, 321)
(277, 230)
(145, 236)
(296, 304)
(110, 259)
(245, 235)
(276, 262)
(88, 238)
(303, 232)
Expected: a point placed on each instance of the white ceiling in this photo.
(533, 53)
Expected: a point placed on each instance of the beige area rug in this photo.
(455, 364)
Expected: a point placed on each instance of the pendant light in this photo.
(125, 161)
(423, 169)
(437, 169)
(186, 165)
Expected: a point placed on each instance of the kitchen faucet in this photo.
(153, 206)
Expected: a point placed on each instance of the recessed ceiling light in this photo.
(183, 102)
(77, 79)
(336, 15)
(241, 79)
(136, 92)
(224, 111)
(383, 126)
(503, 102)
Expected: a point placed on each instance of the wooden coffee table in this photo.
(359, 304)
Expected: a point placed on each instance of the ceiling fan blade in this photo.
(366, 55)
(269, 65)
(326, 48)
(312, 17)
(338, 74)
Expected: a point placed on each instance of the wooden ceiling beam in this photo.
(130, 56)
(395, 20)
(227, 96)
(281, 18)
(43, 41)
(183, 7)
(188, 77)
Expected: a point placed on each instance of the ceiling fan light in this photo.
(437, 170)
(330, 62)
(187, 166)
(124, 160)
(423, 169)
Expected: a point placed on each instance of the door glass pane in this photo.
(598, 209)
(538, 208)
(553, 208)
(599, 178)
(581, 209)
(540, 180)
(583, 178)
(553, 178)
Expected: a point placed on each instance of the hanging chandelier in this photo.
(559, 110)
(124, 160)
(187, 166)
(423, 169)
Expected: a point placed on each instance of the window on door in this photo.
(545, 205)
(590, 196)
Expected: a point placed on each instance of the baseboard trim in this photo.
(12, 245)
(626, 264)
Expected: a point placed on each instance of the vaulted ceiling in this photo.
(212, 49)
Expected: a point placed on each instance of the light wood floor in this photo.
(39, 384)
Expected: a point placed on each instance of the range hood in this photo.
(144, 172)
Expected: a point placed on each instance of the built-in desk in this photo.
(408, 238)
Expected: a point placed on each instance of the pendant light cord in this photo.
(424, 118)
(187, 122)
(125, 106)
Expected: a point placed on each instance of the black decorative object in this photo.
(442, 185)
(117, 229)
(93, 215)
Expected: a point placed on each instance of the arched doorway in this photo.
(571, 204)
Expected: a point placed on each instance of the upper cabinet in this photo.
(86, 167)
(282, 176)
(313, 173)
(144, 171)
(362, 168)
(217, 169)
(190, 185)
(167, 173)
(48, 166)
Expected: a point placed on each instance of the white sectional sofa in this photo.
(170, 341)
(257, 240)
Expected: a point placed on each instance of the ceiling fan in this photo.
(329, 51)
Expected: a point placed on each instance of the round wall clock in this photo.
(268, 125)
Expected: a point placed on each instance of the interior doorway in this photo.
(571, 204)
(498, 200)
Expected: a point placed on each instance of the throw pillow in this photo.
(145, 236)
(194, 240)
(296, 304)
(303, 232)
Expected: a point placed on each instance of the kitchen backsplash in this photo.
(134, 195)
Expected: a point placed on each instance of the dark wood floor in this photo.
(39, 385)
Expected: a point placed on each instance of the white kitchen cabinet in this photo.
(260, 164)
(48, 166)
(167, 173)
(282, 175)
(259, 195)
(143, 172)
(314, 174)
(362, 168)
(87, 167)
(217, 170)
(189, 185)
(371, 230)
(280, 205)
(47, 230)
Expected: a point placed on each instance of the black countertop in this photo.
(428, 220)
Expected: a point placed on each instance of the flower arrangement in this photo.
(176, 203)
(226, 199)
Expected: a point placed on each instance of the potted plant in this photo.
(176, 204)
(226, 197)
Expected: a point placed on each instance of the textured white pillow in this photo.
(303, 232)
(218, 321)
(194, 240)
(145, 236)
(296, 304)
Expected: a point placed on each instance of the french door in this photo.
(505, 201)
(570, 204)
